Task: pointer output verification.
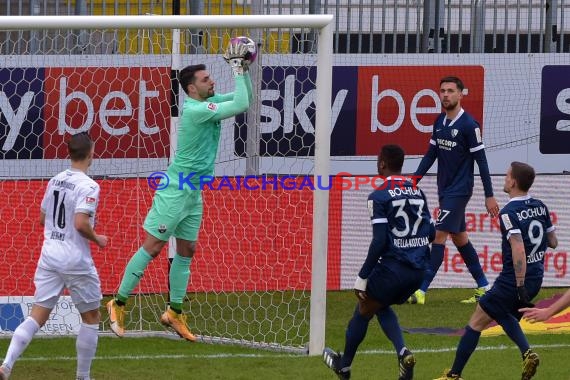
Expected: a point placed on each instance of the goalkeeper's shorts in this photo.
(175, 212)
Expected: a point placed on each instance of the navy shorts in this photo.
(451, 214)
(392, 282)
(502, 299)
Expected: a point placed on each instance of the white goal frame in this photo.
(323, 23)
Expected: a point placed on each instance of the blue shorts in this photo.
(502, 298)
(392, 282)
(451, 214)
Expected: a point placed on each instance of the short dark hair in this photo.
(452, 79)
(523, 174)
(186, 75)
(79, 146)
(393, 157)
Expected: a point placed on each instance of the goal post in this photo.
(52, 84)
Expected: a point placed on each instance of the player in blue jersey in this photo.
(395, 264)
(456, 143)
(526, 231)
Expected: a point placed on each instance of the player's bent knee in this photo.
(440, 237)
(368, 307)
(152, 245)
(89, 311)
(185, 248)
(460, 238)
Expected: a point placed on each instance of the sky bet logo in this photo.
(369, 106)
(41, 107)
(555, 110)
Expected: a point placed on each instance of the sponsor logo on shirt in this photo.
(506, 221)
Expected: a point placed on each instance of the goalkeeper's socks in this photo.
(465, 348)
(176, 307)
(133, 273)
(179, 277)
(120, 301)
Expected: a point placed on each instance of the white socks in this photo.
(86, 346)
(20, 340)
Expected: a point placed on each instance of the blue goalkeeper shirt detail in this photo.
(530, 218)
(455, 141)
(403, 207)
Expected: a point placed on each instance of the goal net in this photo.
(259, 274)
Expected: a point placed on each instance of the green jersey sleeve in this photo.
(213, 111)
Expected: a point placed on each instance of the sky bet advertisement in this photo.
(371, 105)
(41, 107)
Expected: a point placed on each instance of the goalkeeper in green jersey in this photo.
(177, 209)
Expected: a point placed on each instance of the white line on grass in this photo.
(268, 355)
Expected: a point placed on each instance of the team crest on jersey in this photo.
(212, 106)
(506, 221)
(162, 228)
(90, 200)
(454, 132)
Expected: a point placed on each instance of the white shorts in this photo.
(85, 289)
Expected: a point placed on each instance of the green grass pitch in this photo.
(161, 358)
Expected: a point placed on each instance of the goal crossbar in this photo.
(166, 22)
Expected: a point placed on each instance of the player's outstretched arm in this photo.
(239, 103)
(534, 314)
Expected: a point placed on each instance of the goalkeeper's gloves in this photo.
(523, 298)
(360, 287)
(235, 56)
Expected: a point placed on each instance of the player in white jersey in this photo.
(68, 216)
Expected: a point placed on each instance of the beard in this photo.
(449, 106)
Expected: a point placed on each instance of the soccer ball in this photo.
(252, 49)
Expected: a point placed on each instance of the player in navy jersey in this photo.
(456, 143)
(526, 231)
(395, 264)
